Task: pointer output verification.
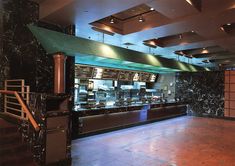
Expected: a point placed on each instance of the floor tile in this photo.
(183, 141)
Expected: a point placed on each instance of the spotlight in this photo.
(141, 19)
(152, 9)
(228, 24)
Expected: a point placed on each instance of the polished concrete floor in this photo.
(183, 141)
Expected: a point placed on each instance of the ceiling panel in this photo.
(200, 52)
(178, 39)
(132, 12)
(174, 8)
(170, 18)
(122, 21)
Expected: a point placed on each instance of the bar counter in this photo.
(98, 120)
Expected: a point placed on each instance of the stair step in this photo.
(6, 127)
(5, 123)
(13, 152)
(8, 118)
(18, 159)
(9, 138)
(14, 148)
(8, 130)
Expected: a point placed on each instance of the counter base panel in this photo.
(105, 130)
(92, 125)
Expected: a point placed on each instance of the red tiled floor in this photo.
(184, 141)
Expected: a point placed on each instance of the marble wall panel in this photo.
(204, 91)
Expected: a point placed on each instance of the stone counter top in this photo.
(115, 109)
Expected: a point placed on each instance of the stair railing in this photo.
(11, 105)
(24, 107)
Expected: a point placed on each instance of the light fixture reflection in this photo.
(152, 78)
(98, 73)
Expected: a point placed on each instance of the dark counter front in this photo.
(98, 120)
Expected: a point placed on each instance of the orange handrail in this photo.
(25, 108)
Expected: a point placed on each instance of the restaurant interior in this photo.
(117, 83)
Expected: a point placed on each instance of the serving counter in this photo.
(98, 120)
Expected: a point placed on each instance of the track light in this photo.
(141, 19)
(112, 21)
(222, 28)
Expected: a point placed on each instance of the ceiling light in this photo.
(152, 9)
(206, 61)
(152, 43)
(149, 45)
(141, 19)
(112, 21)
(222, 28)
(192, 31)
(227, 61)
(228, 24)
(204, 48)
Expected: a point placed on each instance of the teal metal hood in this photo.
(99, 54)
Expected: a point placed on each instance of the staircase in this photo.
(13, 150)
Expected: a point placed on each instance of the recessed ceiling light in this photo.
(152, 9)
(228, 24)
